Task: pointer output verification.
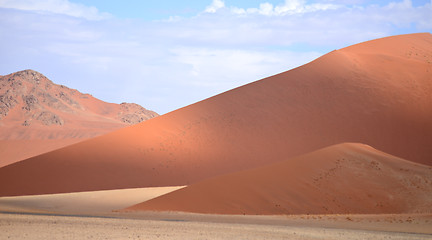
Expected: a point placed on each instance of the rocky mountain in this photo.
(29, 101)
(38, 116)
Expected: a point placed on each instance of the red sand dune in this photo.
(377, 92)
(344, 178)
(12, 151)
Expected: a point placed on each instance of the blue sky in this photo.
(167, 54)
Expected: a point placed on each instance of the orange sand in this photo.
(345, 178)
(377, 93)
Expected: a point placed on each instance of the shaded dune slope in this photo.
(344, 178)
(377, 92)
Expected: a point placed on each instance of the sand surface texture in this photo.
(377, 93)
(13, 226)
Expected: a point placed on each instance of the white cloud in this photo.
(287, 8)
(400, 5)
(347, 2)
(214, 6)
(164, 65)
(291, 6)
(266, 9)
(239, 66)
(56, 6)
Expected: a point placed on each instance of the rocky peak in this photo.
(31, 76)
(30, 89)
(132, 113)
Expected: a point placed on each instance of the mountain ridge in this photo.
(29, 99)
(38, 116)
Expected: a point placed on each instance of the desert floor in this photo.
(90, 215)
(153, 225)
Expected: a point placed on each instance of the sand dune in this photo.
(345, 178)
(376, 92)
(12, 151)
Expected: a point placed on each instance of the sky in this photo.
(167, 54)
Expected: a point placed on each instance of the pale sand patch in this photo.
(93, 202)
(15, 226)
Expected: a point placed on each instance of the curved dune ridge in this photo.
(377, 92)
(340, 179)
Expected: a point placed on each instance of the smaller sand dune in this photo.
(340, 179)
(96, 202)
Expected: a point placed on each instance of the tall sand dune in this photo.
(12, 151)
(377, 92)
(340, 179)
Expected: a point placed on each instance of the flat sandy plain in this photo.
(172, 225)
